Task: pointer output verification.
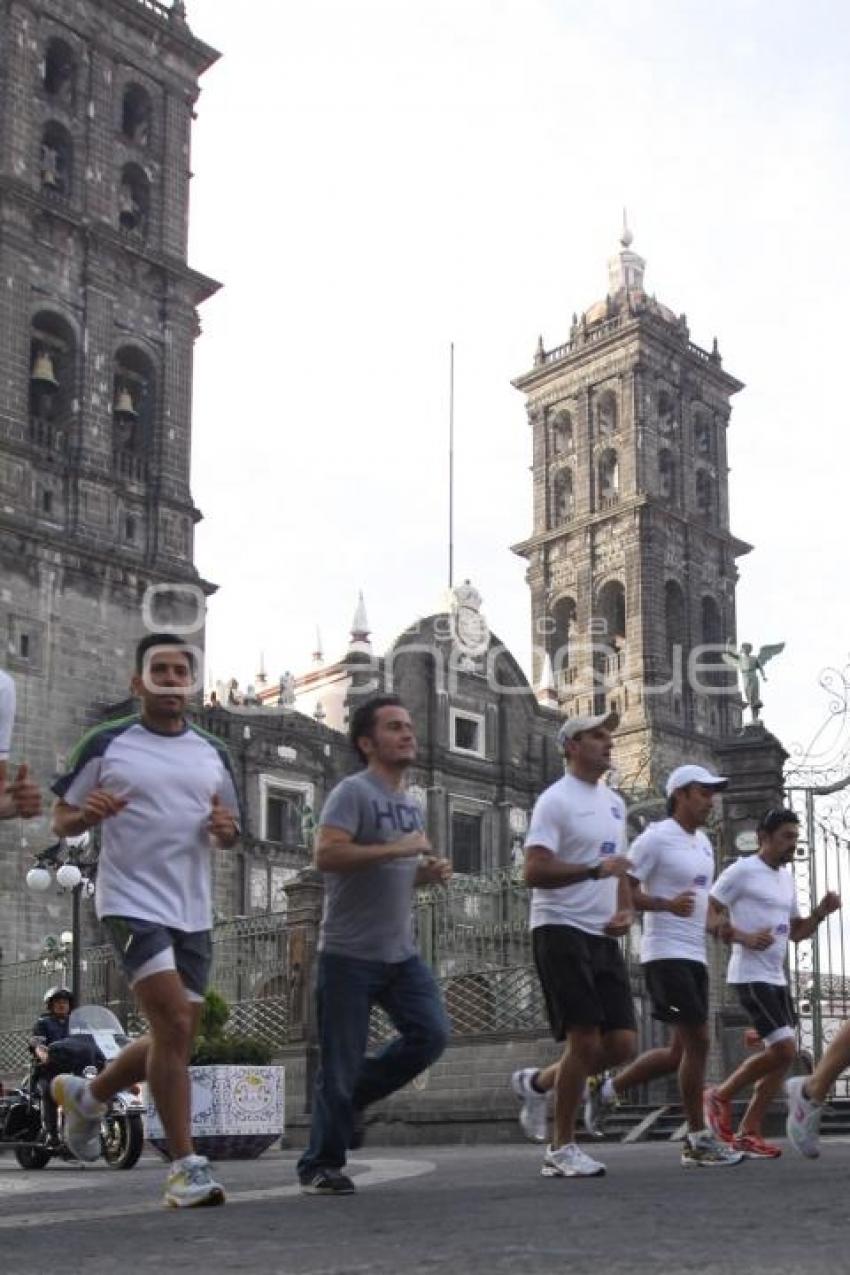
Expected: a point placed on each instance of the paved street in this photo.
(431, 1209)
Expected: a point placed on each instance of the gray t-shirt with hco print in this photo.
(367, 912)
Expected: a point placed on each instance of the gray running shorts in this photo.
(139, 944)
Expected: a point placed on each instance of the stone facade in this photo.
(98, 316)
(631, 560)
(486, 750)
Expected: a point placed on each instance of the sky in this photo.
(375, 181)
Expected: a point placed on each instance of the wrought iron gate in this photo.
(818, 789)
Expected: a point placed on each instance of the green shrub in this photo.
(214, 1045)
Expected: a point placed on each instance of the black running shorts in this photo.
(770, 1008)
(584, 979)
(678, 990)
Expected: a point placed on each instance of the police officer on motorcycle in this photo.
(52, 1025)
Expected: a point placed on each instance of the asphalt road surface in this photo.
(429, 1210)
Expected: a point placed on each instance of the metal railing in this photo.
(474, 933)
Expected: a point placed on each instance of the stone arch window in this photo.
(133, 410)
(610, 612)
(606, 414)
(609, 637)
(703, 435)
(711, 634)
(562, 496)
(134, 201)
(52, 384)
(705, 493)
(59, 71)
(136, 115)
(564, 637)
(563, 437)
(666, 409)
(608, 475)
(56, 165)
(667, 475)
(675, 623)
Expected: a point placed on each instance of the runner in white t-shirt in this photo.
(7, 721)
(672, 868)
(754, 907)
(575, 861)
(21, 798)
(162, 792)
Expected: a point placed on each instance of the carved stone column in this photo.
(304, 912)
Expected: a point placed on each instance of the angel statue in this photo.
(749, 667)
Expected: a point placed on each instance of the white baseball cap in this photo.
(576, 725)
(684, 775)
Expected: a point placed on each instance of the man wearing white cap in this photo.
(575, 862)
(671, 870)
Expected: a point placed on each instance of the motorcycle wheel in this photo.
(122, 1139)
(32, 1157)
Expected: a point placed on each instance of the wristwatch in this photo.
(594, 873)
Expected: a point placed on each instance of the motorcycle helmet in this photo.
(51, 994)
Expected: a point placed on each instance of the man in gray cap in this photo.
(671, 871)
(576, 864)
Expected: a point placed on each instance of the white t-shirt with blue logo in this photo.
(758, 897)
(580, 823)
(667, 860)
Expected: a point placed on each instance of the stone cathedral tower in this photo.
(631, 560)
(98, 316)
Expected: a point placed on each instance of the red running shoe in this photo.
(718, 1115)
(754, 1146)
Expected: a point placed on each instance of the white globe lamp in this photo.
(69, 876)
(38, 880)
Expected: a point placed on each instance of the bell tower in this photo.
(98, 314)
(631, 563)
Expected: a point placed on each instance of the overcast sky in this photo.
(376, 180)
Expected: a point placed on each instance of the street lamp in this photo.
(69, 876)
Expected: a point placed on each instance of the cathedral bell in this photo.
(123, 407)
(42, 376)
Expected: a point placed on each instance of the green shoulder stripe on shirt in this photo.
(114, 724)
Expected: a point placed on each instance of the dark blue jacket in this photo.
(51, 1028)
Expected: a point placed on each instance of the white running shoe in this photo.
(81, 1132)
(532, 1113)
(192, 1186)
(596, 1105)
(703, 1150)
(570, 1162)
(804, 1116)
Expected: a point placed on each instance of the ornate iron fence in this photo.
(249, 969)
(818, 787)
(473, 932)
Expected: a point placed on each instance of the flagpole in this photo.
(451, 461)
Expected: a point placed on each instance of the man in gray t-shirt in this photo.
(367, 913)
(372, 848)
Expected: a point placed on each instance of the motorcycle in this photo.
(95, 1036)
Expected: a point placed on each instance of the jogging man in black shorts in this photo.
(672, 868)
(754, 907)
(575, 861)
(162, 791)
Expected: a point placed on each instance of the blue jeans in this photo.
(347, 1080)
